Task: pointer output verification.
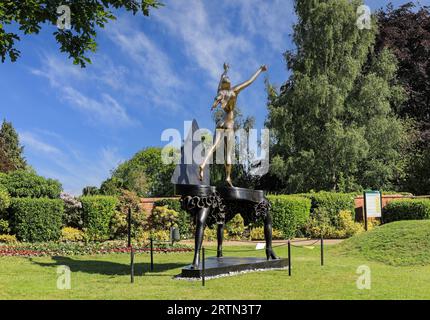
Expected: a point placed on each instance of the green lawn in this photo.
(107, 277)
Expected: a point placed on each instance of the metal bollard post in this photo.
(132, 265)
(322, 250)
(129, 228)
(289, 258)
(203, 266)
(152, 255)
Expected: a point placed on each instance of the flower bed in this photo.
(66, 249)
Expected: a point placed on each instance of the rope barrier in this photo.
(277, 246)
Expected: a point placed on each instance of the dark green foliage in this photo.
(27, 184)
(331, 203)
(289, 213)
(145, 174)
(111, 187)
(37, 220)
(184, 220)
(333, 121)
(11, 153)
(406, 209)
(90, 191)
(86, 18)
(97, 214)
(406, 32)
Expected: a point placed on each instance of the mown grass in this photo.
(402, 243)
(107, 277)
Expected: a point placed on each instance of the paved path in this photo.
(275, 242)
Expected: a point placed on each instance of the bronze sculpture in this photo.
(216, 206)
(227, 98)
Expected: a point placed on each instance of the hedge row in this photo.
(331, 203)
(37, 220)
(289, 213)
(97, 214)
(406, 209)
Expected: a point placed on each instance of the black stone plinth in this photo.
(219, 266)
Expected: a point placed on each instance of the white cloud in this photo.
(31, 141)
(55, 158)
(208, 42)
(65, 78)
(153, 76)
(270, 20)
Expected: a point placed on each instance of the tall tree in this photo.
(333, 123)
(11, 152)
(145, 174)
(78, 38)
(406, 32)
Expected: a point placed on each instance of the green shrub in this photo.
(289, 213)
(184, 221)
(119, 222)
(26, 184)
(406, 209)
(319, 225)
(97, 214)
(235, 228)
(4, 199)
(332, 204)
(7, 238)
(162, 218)
(4, 226)
(36, 220)
(160, 235)
(258, 234)
(69, 234)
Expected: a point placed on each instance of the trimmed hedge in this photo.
(331, 203)
(23, 184)
(289, 213)
(37, 220)
(97, 212)
(406, 209)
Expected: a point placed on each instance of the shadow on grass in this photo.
(107, 267)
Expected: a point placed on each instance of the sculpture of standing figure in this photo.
(227, 98)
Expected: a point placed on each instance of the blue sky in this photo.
(149, 74)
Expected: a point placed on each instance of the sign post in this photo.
(372, 205)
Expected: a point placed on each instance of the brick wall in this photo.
(148, 203)
(359, 203)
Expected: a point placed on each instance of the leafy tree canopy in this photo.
(406, 32)
(144, 174)
(27, 184)
(86, 16)
(333, 121)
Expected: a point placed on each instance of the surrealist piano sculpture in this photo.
(209, 205)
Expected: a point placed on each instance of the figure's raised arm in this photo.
(217, 101)
(242, 86)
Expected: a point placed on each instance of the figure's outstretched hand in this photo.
(263, 68)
